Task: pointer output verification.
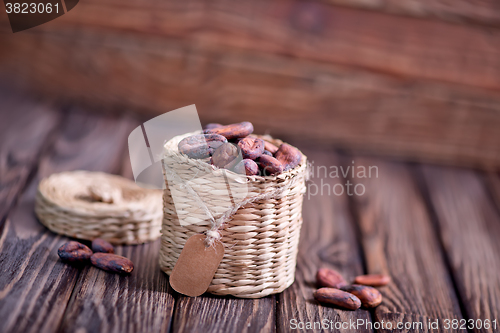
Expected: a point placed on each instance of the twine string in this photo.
(213, 233)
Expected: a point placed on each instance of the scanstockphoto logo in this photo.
(26, 14)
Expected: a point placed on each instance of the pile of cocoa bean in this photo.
(336, 291)
(101, 256)
(233, 147)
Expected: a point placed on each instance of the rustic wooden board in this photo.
(210, 313)
(469, 227)
(141, 302)
(25, 129)
(322, 103)
(104, 302)
(463, 11)
(398, 239)
(310, 30)
(35, 285)
(328, 239)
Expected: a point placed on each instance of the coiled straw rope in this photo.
(89, 205)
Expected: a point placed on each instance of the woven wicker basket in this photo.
(71, 204)
(260, 240)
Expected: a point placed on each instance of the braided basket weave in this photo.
(260, 240)
(89, 205)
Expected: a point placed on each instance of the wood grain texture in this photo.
(322, 103)
(308, 30)
(327, 239)
(398, 239)
(209, 313)
(463, 11)
(35, 285)
(469, 227)
(106, 302)
(25, 129)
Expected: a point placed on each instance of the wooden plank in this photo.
(317, 31)
(463, 11)
(25, 129)
(399, 240)
(492, 180)
(35, 285)
(210, 313)
(104, 302)
(328, 239)
(469, 227)
(322, 103)
(141, 302)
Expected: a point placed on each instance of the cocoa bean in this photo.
(326, 277)
(233, 131)
(112, 263)
(374, 280)
(100, 245)
(270, 147)
(248, 167)
(289, 156)
(74, 252)
(212, 126)
(337, 297)
(369, 296)
(223, 155)
(200, 145)
(269, 165)
(251, 148)
(267, 152)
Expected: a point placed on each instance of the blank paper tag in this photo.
(196, 266)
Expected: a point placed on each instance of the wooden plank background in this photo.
(421, 89)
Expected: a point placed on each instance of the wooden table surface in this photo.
(434, 230)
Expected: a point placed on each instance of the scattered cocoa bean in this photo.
(223, 155)
(201, 145)
(267, 152)
(270, 147)
(337, 297)
(112, 263)
(251, 148)
(269, 165)
(326, 277)
(100, 245)
(289, 156)
(369, 296)
(248, 167)
(74, 252)
(233, 131)
(374, 280)
(212, 126)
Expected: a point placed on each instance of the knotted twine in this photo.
(213, 233)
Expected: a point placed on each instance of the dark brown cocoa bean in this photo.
(374, 280)
(289, 156)
(232, 131)
(337, 297)
(200, 145)
(270, 147)
(248, 167)
(223, 155)
(100, 245)
(269, 165)
(212, 126)
(251, 148)
(369, 296)
(112, 263)
(74, 252)
(326, 277)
